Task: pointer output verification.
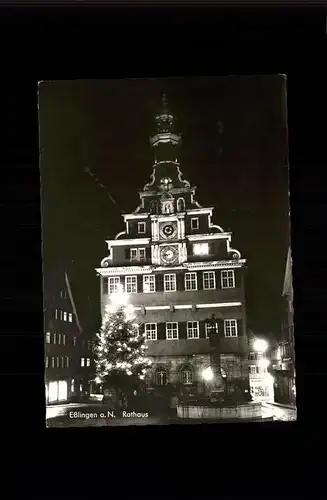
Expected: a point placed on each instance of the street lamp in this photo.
(207, 374)
(260, 345)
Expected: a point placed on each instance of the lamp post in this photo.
(215, 365)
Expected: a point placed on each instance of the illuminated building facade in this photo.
(179, 270)
(64, 348)
(261, 381)
(283, 358)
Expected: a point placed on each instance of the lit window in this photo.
(62, 362)
(195, 223)
(201, 249)
(131, 284)
(141, 227)
(88, 361)
(56, 314)
(53, 391)
(67, 361)
(209, 280)
(151, 331)
(48, 337)
(74, 341)
(187, 375)
(52, 362)
(54, 338)
(47, 362)
(190, 281)
(59, 338)
(227, 279)
(170, 282)
(61, 315)
(72, 386)
(113, 284)
(58, 361)
(82, 361)
(172, 331)
(252, 369)
(62, 390)
(149, 283)
(208, 328)
(192, 329)
(70, 317)
(64, 339)
(65, 316)
(161, 376)
(230, 327)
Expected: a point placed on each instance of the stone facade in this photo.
(180, 271)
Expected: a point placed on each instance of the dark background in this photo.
(234, 149)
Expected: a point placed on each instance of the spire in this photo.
(165, 128)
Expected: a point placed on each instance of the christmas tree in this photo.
(120, 358)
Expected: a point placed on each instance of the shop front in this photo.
(262, 389)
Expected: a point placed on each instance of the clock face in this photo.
(169, 255)
(168, 230)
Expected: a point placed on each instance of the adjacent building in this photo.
(282, 357)
(261, 380)
(181, 271)
(65, 353)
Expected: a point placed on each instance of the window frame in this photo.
(214, 280)
(82, 362)
(88, 362)
(226, 322)
(197, 223)
(227, 278)
(115, 284)
(141, 224)
(152, 276)
(207, 329)
(173, 330)
(168, 281)
(48, 338)
(187, 369)
(139, 250)
(134, 283)
(155, 331)
(190, 281)
(197, 329)
(70, 317)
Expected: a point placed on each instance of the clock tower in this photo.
(184, 279)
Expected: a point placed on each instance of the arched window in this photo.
(187, 375)
(161, 377)
(180, 205)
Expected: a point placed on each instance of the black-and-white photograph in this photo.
(167, 258)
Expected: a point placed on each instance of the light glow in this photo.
(201, 249)
(207, 374)
(260, 345)
(264, 363)
(119, 298)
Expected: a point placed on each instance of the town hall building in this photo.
(181, 273)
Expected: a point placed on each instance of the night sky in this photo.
(234, 149)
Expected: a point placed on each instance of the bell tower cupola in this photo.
(165, 142)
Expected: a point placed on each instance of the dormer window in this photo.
(137, 254)
(195, 223)
(141, 226)
(180, 205)
(201, 249)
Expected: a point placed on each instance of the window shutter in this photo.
(238, 278)
(180, 282)
(182, 330)
(140, 283)
(221, 330)
(202, 332)
(141, 328)
(161, 331)
(127, 253)
(159, 282)
(200, 280)
(105, 285)
(148, 254)
(239, 327)
(218, 280)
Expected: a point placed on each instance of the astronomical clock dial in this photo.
(169, 255)
(168, 230)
